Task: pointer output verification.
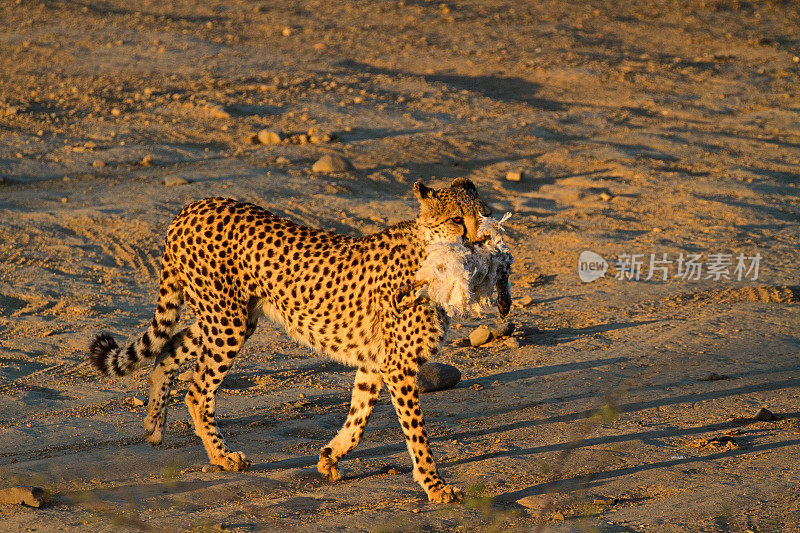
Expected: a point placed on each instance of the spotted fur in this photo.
(234, 262)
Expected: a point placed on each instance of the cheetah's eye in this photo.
(457, 220)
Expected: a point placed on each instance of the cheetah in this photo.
(235, 262)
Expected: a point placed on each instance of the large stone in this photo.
(480, 335)
(332, 163)
(437, 376)
(33, 496)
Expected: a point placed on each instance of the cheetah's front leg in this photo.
(405, 397)
(366, 388)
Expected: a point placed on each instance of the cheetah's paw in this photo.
(232, 462)
(154, 429)
(446, 494)
(328, 469)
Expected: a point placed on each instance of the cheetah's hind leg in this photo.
(180, 348)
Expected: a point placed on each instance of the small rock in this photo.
(270, 137)
(12, 110)
(415, 510)
(115, 111)
(211, 468)
(437, 376)
(503, 330)
(525, 301)
(216, 111)
(280, 160)
(765, 415)
(558, 516)
(302, 138)
(393, 470)
(332, 163)
(146, 160)
(537, 501)
(32, 496)
(606, 196)
(512, 342)
(515, 175)
(98, 163)
(171, 181)
(320, 138)
(481, 335)
(138, 402)
(186, 376)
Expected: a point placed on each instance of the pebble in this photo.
(480, 335)
(515, 175)
(606, 196)
(211, 468)
(115, 111)
(171, 181)
(332, 163)
(512, 342)
(32, 496)
(765, 415)
(525, 301)
(280, 160)
(437, 376)
(186, 376)
(320, 138)
(270, 137)
(216, 111)
(98, 163)
(138, 402)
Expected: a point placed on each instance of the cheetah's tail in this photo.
(106, 355)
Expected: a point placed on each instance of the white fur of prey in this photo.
(462, 280)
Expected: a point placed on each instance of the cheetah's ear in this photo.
(464, 183)
(422, 192)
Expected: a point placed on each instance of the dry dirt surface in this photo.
(641, 127)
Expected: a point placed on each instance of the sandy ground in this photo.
(642, 127)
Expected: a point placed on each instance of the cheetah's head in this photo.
(451, 214)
